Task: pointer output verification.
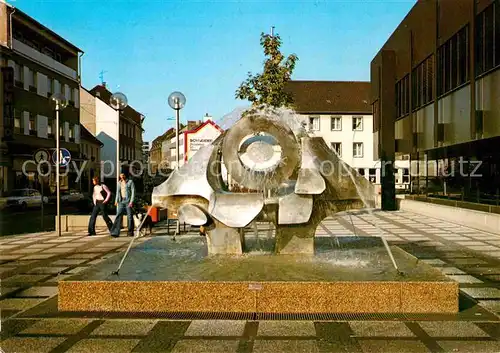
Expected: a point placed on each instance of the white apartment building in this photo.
(350, 136)
(339, 112)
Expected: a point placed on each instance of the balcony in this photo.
(43, 59)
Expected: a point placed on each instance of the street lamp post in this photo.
(177, 101)
(60, 103)
(118, 101)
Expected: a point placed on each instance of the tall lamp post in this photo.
(60, 103)
(177, 101)
(118, 101)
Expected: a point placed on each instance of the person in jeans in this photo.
(124, 201)
(100, 197)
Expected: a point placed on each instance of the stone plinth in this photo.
(259, 297)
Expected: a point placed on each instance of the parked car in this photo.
(72, 196)
(24, 198)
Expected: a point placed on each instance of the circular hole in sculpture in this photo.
(260, 152)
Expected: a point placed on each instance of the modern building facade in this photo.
(35, 63)
(101, 119)
(435, 93)
(340, 113)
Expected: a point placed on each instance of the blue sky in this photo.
(205, 48)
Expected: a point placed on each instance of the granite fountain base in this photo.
(353, 275)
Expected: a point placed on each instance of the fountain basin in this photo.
(352, 276)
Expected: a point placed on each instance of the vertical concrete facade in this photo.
(436, 81)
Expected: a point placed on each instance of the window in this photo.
(50, 86)
(422, 80)
(18, 74)
(357, 123)
(67, 92)
(361, 171)
(61, 130)
(57, 87)
(49, 52)
(32, 124)
(376, 116)
(314, 123)
(31, 78)
(337, 147)
(336, 123)
(463, 56)
(406, 175)
(372, 175)
(49, 128)
(487, 37)
(17, 121)
(453, 62)
(75, 94)
(71, 134)
(403, 97)
(357, 149)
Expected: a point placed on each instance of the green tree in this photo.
(268, 87)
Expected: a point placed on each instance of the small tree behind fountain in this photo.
(268, 87)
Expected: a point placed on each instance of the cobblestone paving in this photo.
(31, 265)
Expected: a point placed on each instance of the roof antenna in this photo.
(101, 76)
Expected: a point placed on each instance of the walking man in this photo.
(100, 197)
(125, 194)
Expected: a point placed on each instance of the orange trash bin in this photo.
(153, 212)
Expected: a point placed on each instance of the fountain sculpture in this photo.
(279, 173)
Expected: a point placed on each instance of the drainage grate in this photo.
(485, 316)
(352, 316)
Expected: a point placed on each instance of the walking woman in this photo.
(100, 198)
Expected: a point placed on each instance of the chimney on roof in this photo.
(192, 124)
(103, 84)
(207, 117)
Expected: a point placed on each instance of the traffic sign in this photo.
(64, 157)
(41, 156)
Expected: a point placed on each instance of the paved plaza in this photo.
(32, 264)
